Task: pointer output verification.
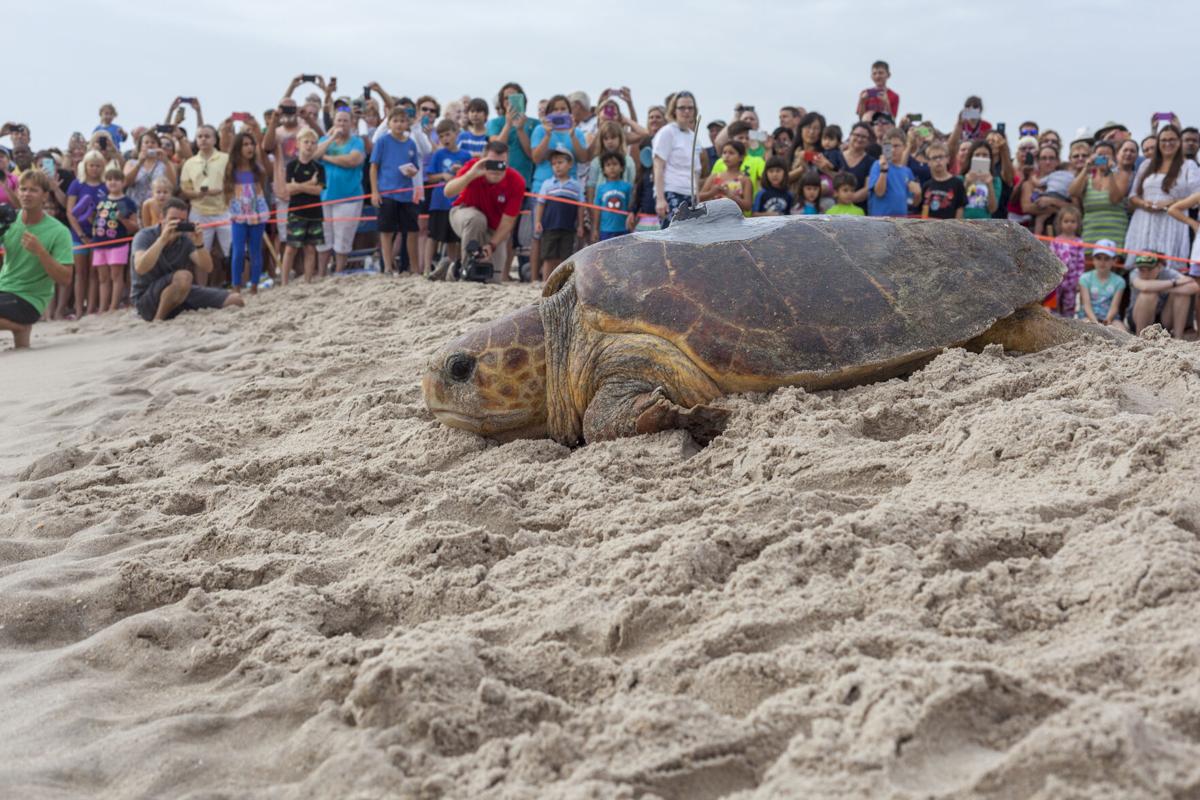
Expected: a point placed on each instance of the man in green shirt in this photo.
(37, 255)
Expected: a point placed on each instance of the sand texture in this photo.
(238, 559)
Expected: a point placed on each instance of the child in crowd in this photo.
(245, 190)
(1100, 298)
(774, 200)
(108, 112)
(474, 138)
(751, 166)
(831, 138)
(558, 223)
(152, 210)
(306, 219)
(394, 162)
(844, 187)
(1067, 246)
(732, 182)
(83, 195)
(115, 220)
(615, 194)
(444, 165)
(944, 194)
(890, 181)
(810, 193)
(879, 97)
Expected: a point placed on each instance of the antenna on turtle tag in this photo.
(692, 208)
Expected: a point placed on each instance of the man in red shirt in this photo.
(487, 200)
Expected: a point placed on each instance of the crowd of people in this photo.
(162, 220)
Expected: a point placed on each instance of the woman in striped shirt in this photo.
(1102, 196)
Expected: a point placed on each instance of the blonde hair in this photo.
(162, 182)
(89, 157)
(307, 133)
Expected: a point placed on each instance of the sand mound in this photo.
(245, 562)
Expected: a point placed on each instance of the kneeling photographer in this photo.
(164, 257)
(487, 200)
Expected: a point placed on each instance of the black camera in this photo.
(8, 215)
(475, 267)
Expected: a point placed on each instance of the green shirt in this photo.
(849, 210)
(23, 275)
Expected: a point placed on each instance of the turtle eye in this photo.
(459, 367)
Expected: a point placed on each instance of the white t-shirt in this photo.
(674, 146)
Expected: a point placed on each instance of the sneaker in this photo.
(438, 273)
(455, 273)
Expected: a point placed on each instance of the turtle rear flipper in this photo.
(1032, 328)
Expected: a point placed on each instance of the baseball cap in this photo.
(882, 116)
(1105, 247)
(563, 151)
(581, 98)
(716, 123)
(1145, 261)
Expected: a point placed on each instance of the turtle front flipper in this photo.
(703, 422)
(632, 408)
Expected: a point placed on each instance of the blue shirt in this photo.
(516, 156)
(343, 182)
(894, 202)
(560, 216)
(445, 160)
(114, 130)
(617, 195)
(1101, 294)
(545, 171)
(472, 143)
(390, 153)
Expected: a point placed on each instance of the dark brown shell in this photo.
(770, 300)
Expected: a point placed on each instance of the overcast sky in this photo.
(1065, 64)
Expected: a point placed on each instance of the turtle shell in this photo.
(815, 301)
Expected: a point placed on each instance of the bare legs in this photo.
(21, 333)
(1174, 313)
(83, 265)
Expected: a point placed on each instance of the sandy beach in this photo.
(239, 559)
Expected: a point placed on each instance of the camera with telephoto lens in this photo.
(475, 266)
(8, 215)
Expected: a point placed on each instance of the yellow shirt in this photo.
(752, 167)
(199, 172)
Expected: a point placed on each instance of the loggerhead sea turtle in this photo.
(637, 334)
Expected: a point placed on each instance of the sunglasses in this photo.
(1029, 131)
(428, 110)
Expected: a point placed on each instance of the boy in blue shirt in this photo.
(615, 194)
(394, 162)
(443, 166)
(558, 223)
(474, 138)
(891, 182)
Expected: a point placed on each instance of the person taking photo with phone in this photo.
(164, 257)
(37, 255)
(488, 195)
(201, 182)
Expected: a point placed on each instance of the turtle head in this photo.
(492, 381)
